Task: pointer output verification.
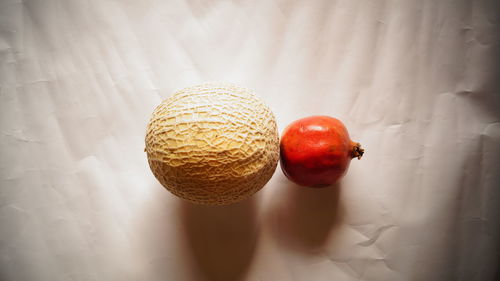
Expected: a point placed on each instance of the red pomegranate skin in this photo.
(316, 151)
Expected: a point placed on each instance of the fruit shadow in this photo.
(305, 217)
(221, 239)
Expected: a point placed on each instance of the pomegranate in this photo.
(316, 151)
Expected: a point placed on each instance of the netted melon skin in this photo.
(213, 144)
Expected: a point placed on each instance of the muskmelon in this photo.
(213, 144)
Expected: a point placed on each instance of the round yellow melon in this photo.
(213, 144)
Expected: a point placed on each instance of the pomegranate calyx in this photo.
(357, 151)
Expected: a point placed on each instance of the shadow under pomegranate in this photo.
(305, 218)
(221, 239)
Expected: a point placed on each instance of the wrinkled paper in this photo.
(415, 82)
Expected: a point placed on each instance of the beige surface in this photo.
(415, 82)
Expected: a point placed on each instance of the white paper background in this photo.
(416, 82)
